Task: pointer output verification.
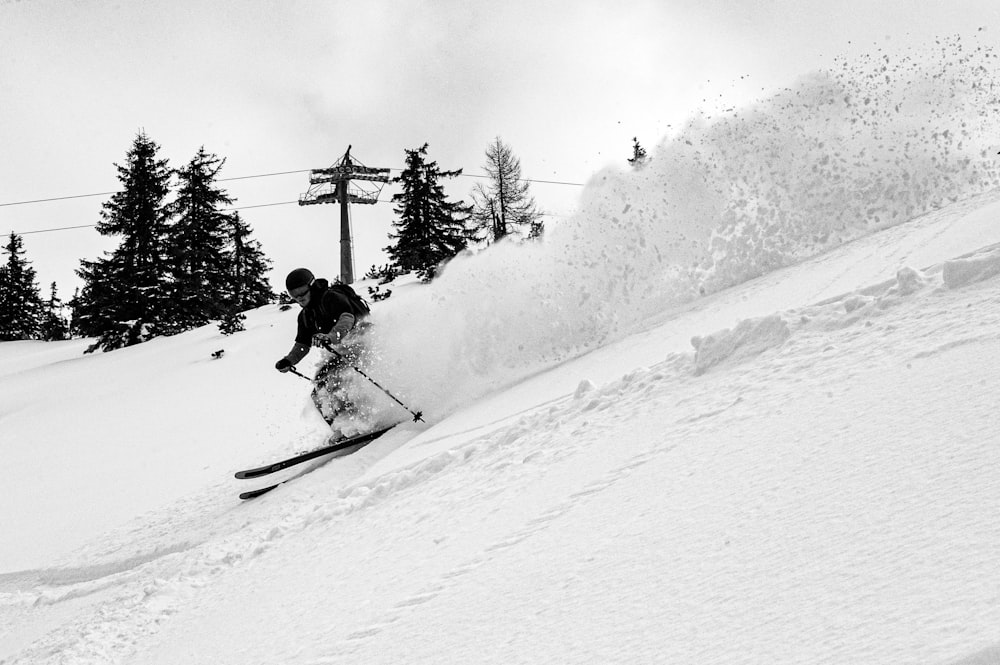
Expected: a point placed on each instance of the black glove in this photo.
(283, 365)
(322, 341)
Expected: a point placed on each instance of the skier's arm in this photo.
(343, 326)
(301, 346)
(297, 353)
(338, 302)
(336, 334)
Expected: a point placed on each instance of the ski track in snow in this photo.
(531, 527)
(117, 604)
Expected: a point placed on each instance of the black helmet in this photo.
(298, 278)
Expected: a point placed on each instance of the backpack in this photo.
(359, 306)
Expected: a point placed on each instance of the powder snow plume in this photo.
(869, 143)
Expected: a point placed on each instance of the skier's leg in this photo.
(325, 394)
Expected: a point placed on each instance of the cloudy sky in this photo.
(282, 87)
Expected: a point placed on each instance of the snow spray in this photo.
(871, 142)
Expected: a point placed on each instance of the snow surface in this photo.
(799, 468)
(815, 483)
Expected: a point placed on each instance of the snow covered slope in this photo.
(814, 483)
(624, 460)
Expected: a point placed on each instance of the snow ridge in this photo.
(130, 599)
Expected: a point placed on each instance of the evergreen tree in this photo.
(232, 322)
(125, 299)
(20, 303)
(638, 158)
(199, 258)
(88, 319)
(506, 204)
(54, 326)
(249, 286)
(430, 229)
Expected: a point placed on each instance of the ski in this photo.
(253, 494)
(337, 446)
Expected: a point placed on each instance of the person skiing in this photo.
(329, 314)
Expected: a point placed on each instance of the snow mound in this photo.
(908, 282)
(968, 270)
(586, 386)
(750, 337)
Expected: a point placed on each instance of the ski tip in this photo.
(255, 493)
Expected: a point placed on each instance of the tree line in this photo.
(23, 313)
(181, 262)
(430, 229)
(185, 262)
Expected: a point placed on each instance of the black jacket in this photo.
(325, 307)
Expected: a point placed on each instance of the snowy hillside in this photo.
(814, 484)
(740, 408)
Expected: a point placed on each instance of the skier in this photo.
(329, 314)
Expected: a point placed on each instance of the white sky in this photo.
(283, 86)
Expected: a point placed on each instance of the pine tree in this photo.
(89, 318)
(506, 204)
(54, 326)
(232, 322)
(430, 229)
(249, 286)
(638, 158)
(125, 299)
(199, 238)
(20, 303)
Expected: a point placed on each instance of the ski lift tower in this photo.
(333, 185)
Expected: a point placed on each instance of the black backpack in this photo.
(359, 306)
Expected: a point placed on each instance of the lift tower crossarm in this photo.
(332, 185)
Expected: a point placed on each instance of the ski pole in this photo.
(298, 373)
(416, 414)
